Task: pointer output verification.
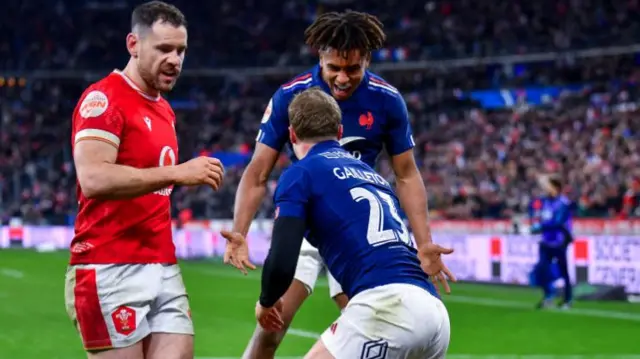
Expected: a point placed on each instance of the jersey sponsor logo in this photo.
(124, 320)
(366, 120)
(167, 158)
(333, 327)
(375, 349)
(267, 112)
(346, 140)
(94, 104)
(147, 121)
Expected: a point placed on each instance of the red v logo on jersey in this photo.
(366, 120)
(333, 328)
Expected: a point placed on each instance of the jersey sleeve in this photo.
(399, 137)
(97, 118)
(292, 193)
(274, 128)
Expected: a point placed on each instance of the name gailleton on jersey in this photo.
(373, 118)
(142, 127)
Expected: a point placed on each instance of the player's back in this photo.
(354, 221)
(142, 128)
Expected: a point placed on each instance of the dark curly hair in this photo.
(346, 31)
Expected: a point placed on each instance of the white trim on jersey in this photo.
(386, 87)
(99, 135)
(296, 83)
(135, 87)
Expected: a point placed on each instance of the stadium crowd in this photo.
(75, 34)
(477, 163)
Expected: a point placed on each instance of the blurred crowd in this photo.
(476, 163)
(79, 34)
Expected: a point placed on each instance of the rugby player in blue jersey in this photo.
(350, 214)
(374, 117)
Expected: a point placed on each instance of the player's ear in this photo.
(292, 135)
(340, 131)
(367, 60)
(132, 44)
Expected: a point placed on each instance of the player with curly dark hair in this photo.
(374, 117)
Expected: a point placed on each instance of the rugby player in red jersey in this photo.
(124, 291)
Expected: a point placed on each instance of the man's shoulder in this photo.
(108, 89)
(376, 84)
(565, 200)
(99, 97)
(298, 83)
(111, 84)
(114, 91)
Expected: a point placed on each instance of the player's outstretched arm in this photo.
(412, 195)
(279, 269)
(253, 187)
(100, 177)
(413, 198)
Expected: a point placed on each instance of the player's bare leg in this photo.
(131, 352)
(341, 301)
(263, 345)
(319, 351)
(168, 346)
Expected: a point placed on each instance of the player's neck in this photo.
(131, 72)
(302, 148)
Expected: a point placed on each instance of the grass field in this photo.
(487, 322)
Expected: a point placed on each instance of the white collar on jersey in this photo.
(135, 87)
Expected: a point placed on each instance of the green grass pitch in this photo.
(488, 322)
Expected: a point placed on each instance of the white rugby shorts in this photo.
(396, 321)
(310, 265)
(115, 306)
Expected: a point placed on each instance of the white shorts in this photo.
(396, 321)
(310, 265)
(115, 306)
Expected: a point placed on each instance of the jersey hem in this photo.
(142, 260)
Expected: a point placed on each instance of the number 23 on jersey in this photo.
(381, 204)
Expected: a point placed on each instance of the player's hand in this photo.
(270, 319)
(236, 252)
(202, 170)
(430, 256)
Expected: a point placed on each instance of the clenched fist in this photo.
(199, 171)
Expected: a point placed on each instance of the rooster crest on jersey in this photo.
(366, 120)
(94, 104)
